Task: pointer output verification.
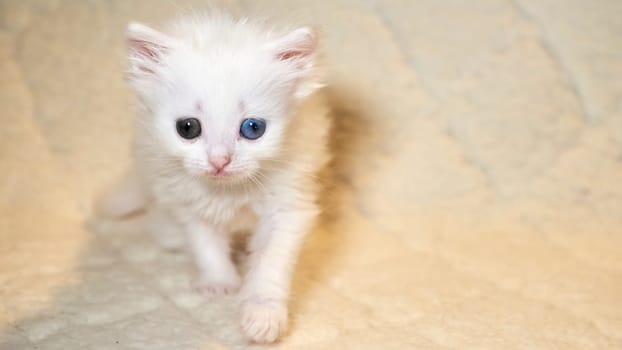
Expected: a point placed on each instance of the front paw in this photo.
(213, 286)
(264, 322)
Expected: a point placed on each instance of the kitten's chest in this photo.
(218, 209)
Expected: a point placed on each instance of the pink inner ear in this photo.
(283, 56)
(147, 49)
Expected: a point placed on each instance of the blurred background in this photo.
(477, 199)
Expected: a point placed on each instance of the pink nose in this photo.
(220, 161)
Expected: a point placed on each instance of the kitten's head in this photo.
(218, 93)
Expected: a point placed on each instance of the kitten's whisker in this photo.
(254, 178)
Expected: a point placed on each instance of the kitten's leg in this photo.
(274, 250)
(126, 197)
(166, 230)
(211, 250)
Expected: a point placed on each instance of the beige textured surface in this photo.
(479, 200)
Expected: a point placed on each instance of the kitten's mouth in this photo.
(221, 175)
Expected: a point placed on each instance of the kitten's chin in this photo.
(223, 176)
(228, 178)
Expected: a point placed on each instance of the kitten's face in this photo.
(221, 123)
(220, 109)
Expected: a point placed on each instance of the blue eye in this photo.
(252, 129)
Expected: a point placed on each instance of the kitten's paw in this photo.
(264, 322)
(211, 286)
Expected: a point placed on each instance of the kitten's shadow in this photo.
(349, 138)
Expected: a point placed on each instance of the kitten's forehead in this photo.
(223, 80)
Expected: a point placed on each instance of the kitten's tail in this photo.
(127, 197)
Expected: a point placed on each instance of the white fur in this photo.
(232, 70)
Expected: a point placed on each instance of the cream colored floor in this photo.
(479, 201)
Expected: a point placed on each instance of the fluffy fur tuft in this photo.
(221, 71)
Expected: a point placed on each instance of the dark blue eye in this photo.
(252, 129)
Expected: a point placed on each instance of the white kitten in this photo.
(229, 135)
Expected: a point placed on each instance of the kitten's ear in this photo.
(297, 46)
(146, 48)
(297, 49)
